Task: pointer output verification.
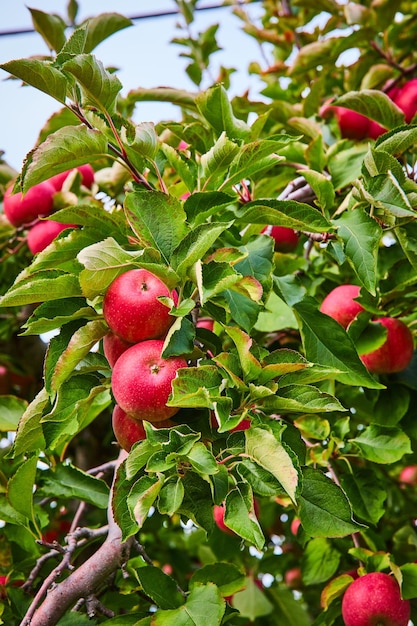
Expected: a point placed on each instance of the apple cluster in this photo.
(353, 125)
(139, 320)
(26, 210)
(396, 351)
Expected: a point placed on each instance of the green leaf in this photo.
(226, 576)
(288, 611)
(399, 141)
(361, 237)
(324, 509)
(162, 589)
(409, 581)
(68, 481)
(51, 27)
(11, 410)
(251, 602)
(251, 368)
(62, 150)
(327, 343)
(51, 315)
(381, 444)
(263, 448)
(290, 213)
(142, 496)
(194, 611)
(366, 496)
(158, 220)
(82, 341)
(20, 488)
(171, 497)
(103, 26)
(144, 141)
(29, 436)
(320, 561)
(195, 244)
(240, 517)
(215, 106)
(103, 262)
(322, 187)
(100, 89)
(42, 287)
(374, 104)
(40, 75)
(388, 194)
(202, 460)
(252, 158)
(301, 399)
(217, 161)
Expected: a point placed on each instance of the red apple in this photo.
(141, 381)
(4, 380)
(131, 307)
(113, 347)
(340, 304)
(375, 599)
(408, 475)
(23, 209)
(375, 130)
(205, 322)
(293, 578)
(295, 524)
(127, 430)
(218, 512)
(352, 125)
(396, 352)
(43, 233)
(286, 239)
(406, 99)
(87, 177)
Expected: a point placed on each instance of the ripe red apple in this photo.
(127, 430)
(286, 239)
(218, 512)
(352, 125)
(23, 209)
(408, 475)
(43, 233)
(340, 304)
(131, 307)
(373, 599)
(406, 99)
(205, 322)
(295, 524)
(141, 381)
(87, 177)
(113, 347)
(293, 578)
(396, 352)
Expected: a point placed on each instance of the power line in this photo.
(134, 18)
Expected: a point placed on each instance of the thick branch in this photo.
(86, 579)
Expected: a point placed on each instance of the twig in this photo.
(82, 582)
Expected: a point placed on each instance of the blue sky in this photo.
(142, 53)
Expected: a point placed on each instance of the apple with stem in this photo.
(141, 381)
(23, 209)
(341, 304)
(43, 233)
(285, 239)
(132, 309)
(375, 599)
(395, 353)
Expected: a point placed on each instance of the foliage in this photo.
(188, 201)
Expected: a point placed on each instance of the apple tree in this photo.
(254, 456)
